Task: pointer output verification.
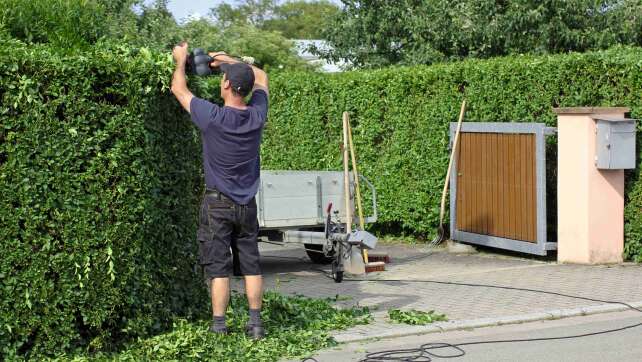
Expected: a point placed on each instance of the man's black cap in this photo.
(240, 75)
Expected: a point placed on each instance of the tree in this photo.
(297, 19)
(156, 26)
(369, 33)
(301, 19)
(72, 25)
(269, 48)
(252, 12)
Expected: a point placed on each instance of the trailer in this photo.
(307, 208)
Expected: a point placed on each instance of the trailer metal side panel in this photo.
(294, 199)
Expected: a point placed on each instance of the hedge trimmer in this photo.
(199, 62)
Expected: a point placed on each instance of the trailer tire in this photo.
(315, 253)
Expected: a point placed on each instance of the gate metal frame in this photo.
(540, 131)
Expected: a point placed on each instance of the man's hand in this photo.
(180, 52)
(260, 78)
(219, 58)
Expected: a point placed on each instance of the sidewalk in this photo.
(289, 271)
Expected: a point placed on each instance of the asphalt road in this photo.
(617, 346)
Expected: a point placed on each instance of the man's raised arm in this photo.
(260, 77)
(179, 80)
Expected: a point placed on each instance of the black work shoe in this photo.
(255, 332)
(218, 330)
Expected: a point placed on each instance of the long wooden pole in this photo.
(355, 174)
(450, 164)
(346, 174)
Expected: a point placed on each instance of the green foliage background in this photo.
(71, 26)
(294, 19)
(369, 34)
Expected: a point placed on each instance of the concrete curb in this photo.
(387, 330)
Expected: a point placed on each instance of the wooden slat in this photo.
(462, 210)
(461, 195)
(525, 187)
(519, 213)
(457, 173)
(531, 189)
(469, 186)
(511, 187)
(502, 181)
(472, 184)
(492, 169)
(479, 187)
(501, 192)
(483, 154)
(467, 176)
(479, 217)
(487, 182)
(521, 190)
(497, 186)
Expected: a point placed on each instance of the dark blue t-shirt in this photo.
(231, 142)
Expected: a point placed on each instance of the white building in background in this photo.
(302, 45)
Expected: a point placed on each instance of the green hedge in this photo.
(99, 177)
(400, 119)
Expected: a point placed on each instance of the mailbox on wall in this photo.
(615, 143)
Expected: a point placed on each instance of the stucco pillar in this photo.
(590, 228)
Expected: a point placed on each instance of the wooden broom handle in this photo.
(355, 171)
(450, 163)
(346, 174)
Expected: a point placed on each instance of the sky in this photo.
(182, 8)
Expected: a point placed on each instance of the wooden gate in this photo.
(498, 187)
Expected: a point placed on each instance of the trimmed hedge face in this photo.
(400, 121)
(99, 177)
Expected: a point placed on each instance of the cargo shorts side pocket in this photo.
(204, 231)
(204, 235)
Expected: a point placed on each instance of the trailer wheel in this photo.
(337, 275)
(315, 253)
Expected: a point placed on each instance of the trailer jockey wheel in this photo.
(337, 274)
(337, 265)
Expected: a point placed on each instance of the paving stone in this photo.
(289, 271)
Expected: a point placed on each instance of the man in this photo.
(231, 137)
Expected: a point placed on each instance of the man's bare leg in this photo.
(220, 296)
(254, 290)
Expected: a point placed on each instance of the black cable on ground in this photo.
(284, 257)
(426, 352)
